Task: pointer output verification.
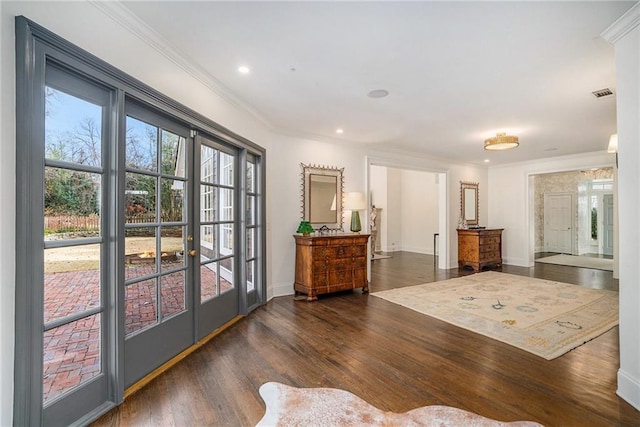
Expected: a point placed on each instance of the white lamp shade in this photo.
(613, 144)
(355, 201)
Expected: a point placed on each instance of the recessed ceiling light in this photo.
(378, 93)
(486, 160)
(243, 69)
(339, 131)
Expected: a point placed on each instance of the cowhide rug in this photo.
(290, 406)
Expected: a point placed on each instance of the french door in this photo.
(139, 230)
(216, 233)
(77, 262)
(158, 276)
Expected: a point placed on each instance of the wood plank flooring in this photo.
(392, 357)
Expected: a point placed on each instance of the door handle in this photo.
(193, 252)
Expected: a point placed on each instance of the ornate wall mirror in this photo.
(469, 202)
(322, 189)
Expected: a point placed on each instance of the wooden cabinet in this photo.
(479, 248)
(330, 263)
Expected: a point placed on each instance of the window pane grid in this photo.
(156, 219)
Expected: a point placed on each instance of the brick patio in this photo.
(71, 352)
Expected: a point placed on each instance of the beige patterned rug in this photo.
(327, 407)
(543, 317)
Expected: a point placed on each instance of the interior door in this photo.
(158, 274)
(558, 223)
(607, 219)
(216, 234)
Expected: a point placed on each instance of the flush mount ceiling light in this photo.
(501, 141)
(244, 70)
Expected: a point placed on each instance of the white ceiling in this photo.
(457, 72)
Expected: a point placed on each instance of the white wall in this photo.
(413, 215)
(394, 210)
(510, 201)
(625, 35)
(285, 190)
(419, 211)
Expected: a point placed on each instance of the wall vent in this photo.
(602, 93)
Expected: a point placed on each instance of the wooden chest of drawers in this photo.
(479, 248)
(330, 263)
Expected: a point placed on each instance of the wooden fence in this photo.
(63, 223)
(67, 223)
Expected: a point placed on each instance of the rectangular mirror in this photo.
(322, 189)
(469, 202)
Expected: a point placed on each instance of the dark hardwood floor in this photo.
(394, 358)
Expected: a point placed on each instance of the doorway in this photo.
(579, 200)
(410, 206)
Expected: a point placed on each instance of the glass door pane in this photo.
(216, 234)
(252, 229)
(155, 265)
(217, 202)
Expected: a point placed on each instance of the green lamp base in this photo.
(355, 222)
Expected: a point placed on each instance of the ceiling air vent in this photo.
(602, 93)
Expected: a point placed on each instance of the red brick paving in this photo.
(71, 353)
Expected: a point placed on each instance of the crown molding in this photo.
(623, 25)
(132, 23)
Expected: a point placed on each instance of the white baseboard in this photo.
(279, 290)
(418, 250)
(629, 389)
(520, 262)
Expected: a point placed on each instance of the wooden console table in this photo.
(478, 248)
(330, 263)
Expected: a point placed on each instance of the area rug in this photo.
(290, 406)
(579, 261)
(542, 317)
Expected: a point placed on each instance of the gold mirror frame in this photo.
(469, 205)
(318, 200)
